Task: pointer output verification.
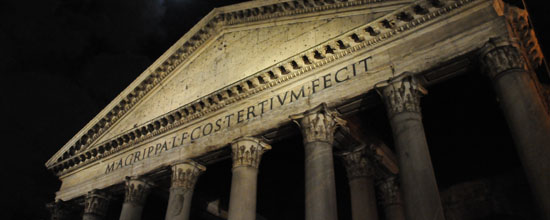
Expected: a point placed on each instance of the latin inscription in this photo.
(189, 135)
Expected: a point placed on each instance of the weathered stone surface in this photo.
(505, 196)
(364, 60)
(247, 152)
(96, 205)
(525, 113)
(223, 62)
(318, 126)
(420, 192)
(360, 172)
(136, 192)
(61, 210)
(389, 195)
(184, 177)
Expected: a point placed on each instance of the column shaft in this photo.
(179, 204)
(131, 211)
(320, 183)
(525, 114)
(246, 154)
(420, 192)
(243, 193)
(394, 212)
(390, 199)
(318, 126)
(360, 172)
(363, 199)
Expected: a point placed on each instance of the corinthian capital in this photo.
(136, 190)
(357, 164)
(247, 152)
(318, 124)
(500, 55)
(185, 174)
(388, 191)
(402, 94)
(96, 203)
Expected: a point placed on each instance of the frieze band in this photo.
(185, 137)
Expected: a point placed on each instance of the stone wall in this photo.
(500, 197)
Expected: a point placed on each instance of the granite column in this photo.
(525, 113)
(184, 177)
(360, 173)
(246, 153)
(318, 126)
(96, 205)
(136, 193)
(420, 192)
(390, 198)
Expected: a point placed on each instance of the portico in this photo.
(205, 101)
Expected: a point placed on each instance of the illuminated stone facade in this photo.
(246, 70)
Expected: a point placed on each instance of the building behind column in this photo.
(430, 109)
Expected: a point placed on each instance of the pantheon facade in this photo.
(249, 78)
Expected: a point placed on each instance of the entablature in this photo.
(385, 43)
(217, 21)
(370, 35)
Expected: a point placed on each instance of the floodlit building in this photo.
(298, 79)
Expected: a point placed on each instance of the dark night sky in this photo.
(63, 61)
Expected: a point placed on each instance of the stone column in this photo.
(60, 210)
(420, 193)
(525, 113)
(318, 126)
(247, 153)
(96, 205)
(136, 193)
(184, 177)
(390, 198)
(360, 172)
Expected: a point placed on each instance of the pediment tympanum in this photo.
(233, 56)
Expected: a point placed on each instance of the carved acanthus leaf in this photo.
(388, 191)
(185, 174)
(136, 190)
(501, 55)
(96, 203)
(75, 155)
(403, 95)
(318, 124)
(247, 151)
(357, 163)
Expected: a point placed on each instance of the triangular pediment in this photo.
(228, 45)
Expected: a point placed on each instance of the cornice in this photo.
(206, 28)
(366, 36)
